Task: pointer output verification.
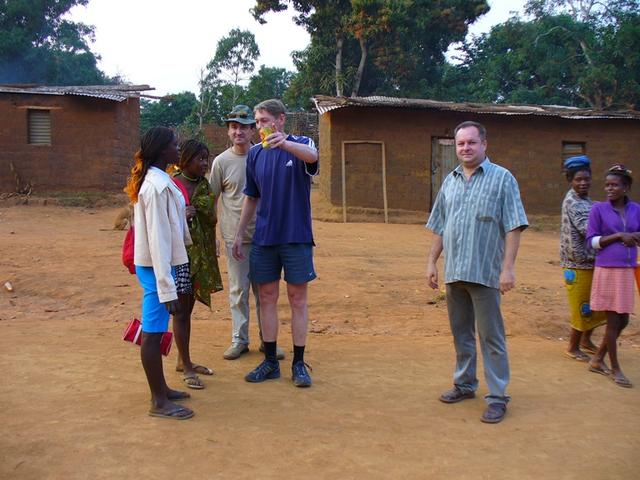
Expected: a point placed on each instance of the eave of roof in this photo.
(116, 93)
(325, 104)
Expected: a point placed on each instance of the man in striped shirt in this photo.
(477, 220)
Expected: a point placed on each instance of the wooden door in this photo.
(443, 161)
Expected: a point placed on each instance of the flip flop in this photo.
(622, 381)
(178, 413)
(580, 356)
(193, 381)
(602, 370)
(200, 369)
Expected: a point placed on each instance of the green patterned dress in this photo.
(203, 261)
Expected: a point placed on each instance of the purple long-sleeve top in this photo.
(604, 220)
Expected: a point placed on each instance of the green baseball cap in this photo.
(241, 114)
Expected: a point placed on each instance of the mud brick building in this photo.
(405, 146)
(68, 138)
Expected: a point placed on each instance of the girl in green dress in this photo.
(189, 175)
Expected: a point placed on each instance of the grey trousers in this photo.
(239, 285)
(470, 305)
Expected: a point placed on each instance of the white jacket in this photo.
(161, 230)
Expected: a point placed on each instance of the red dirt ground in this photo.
(75, 399)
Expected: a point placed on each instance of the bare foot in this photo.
(589, 347)
(177, 394)
(195, 368)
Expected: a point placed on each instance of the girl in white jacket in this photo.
(161, 233)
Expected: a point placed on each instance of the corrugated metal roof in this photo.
(116, 93)
(325, 104)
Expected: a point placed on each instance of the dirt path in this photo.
(74, 400)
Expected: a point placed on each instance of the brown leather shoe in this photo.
(455, 395)
(494, 413)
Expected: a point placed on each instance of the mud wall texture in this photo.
(531, 147)
(92, 143)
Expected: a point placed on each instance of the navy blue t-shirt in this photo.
(283, 184)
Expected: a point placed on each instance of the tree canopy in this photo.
(170, 111)
(365, 47)
(230, 78)
(38, 46)
(575, 53)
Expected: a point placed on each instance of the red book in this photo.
(133, 334)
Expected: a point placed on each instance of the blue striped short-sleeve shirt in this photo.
(473, 218)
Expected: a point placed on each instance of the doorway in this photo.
(443, 161)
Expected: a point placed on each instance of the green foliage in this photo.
(268, 82)
(170, 111)
(222, 84)
(393, 47)
(564, 55)
(38, 46)
(235, 56)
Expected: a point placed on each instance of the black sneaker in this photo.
(267, 370)
(299, 374)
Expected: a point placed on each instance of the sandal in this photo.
(494, 413)
(177, 413)
(601, 369)
(201, 369)
(579, 356)
(193, 381)
(622, 381)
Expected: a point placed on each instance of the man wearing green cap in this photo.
(227, 182)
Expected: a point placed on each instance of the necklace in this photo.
(189, 178)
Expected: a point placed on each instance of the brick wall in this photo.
(92, 143)
(531, 147)
(216, 137)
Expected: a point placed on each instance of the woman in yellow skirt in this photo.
(577, 258)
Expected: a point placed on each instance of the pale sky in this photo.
(165, 43)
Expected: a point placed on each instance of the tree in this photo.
(606, 71)
(38, 46)
(375, 46)
(220, 82)
(569, 54)
(584, 11)
(235, 56)
(268, 82)
(326, 22)
(170, 111)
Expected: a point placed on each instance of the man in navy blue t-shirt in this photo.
(278, 187)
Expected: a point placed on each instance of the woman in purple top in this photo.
(614, 231)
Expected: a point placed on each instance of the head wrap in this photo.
(572, 163)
